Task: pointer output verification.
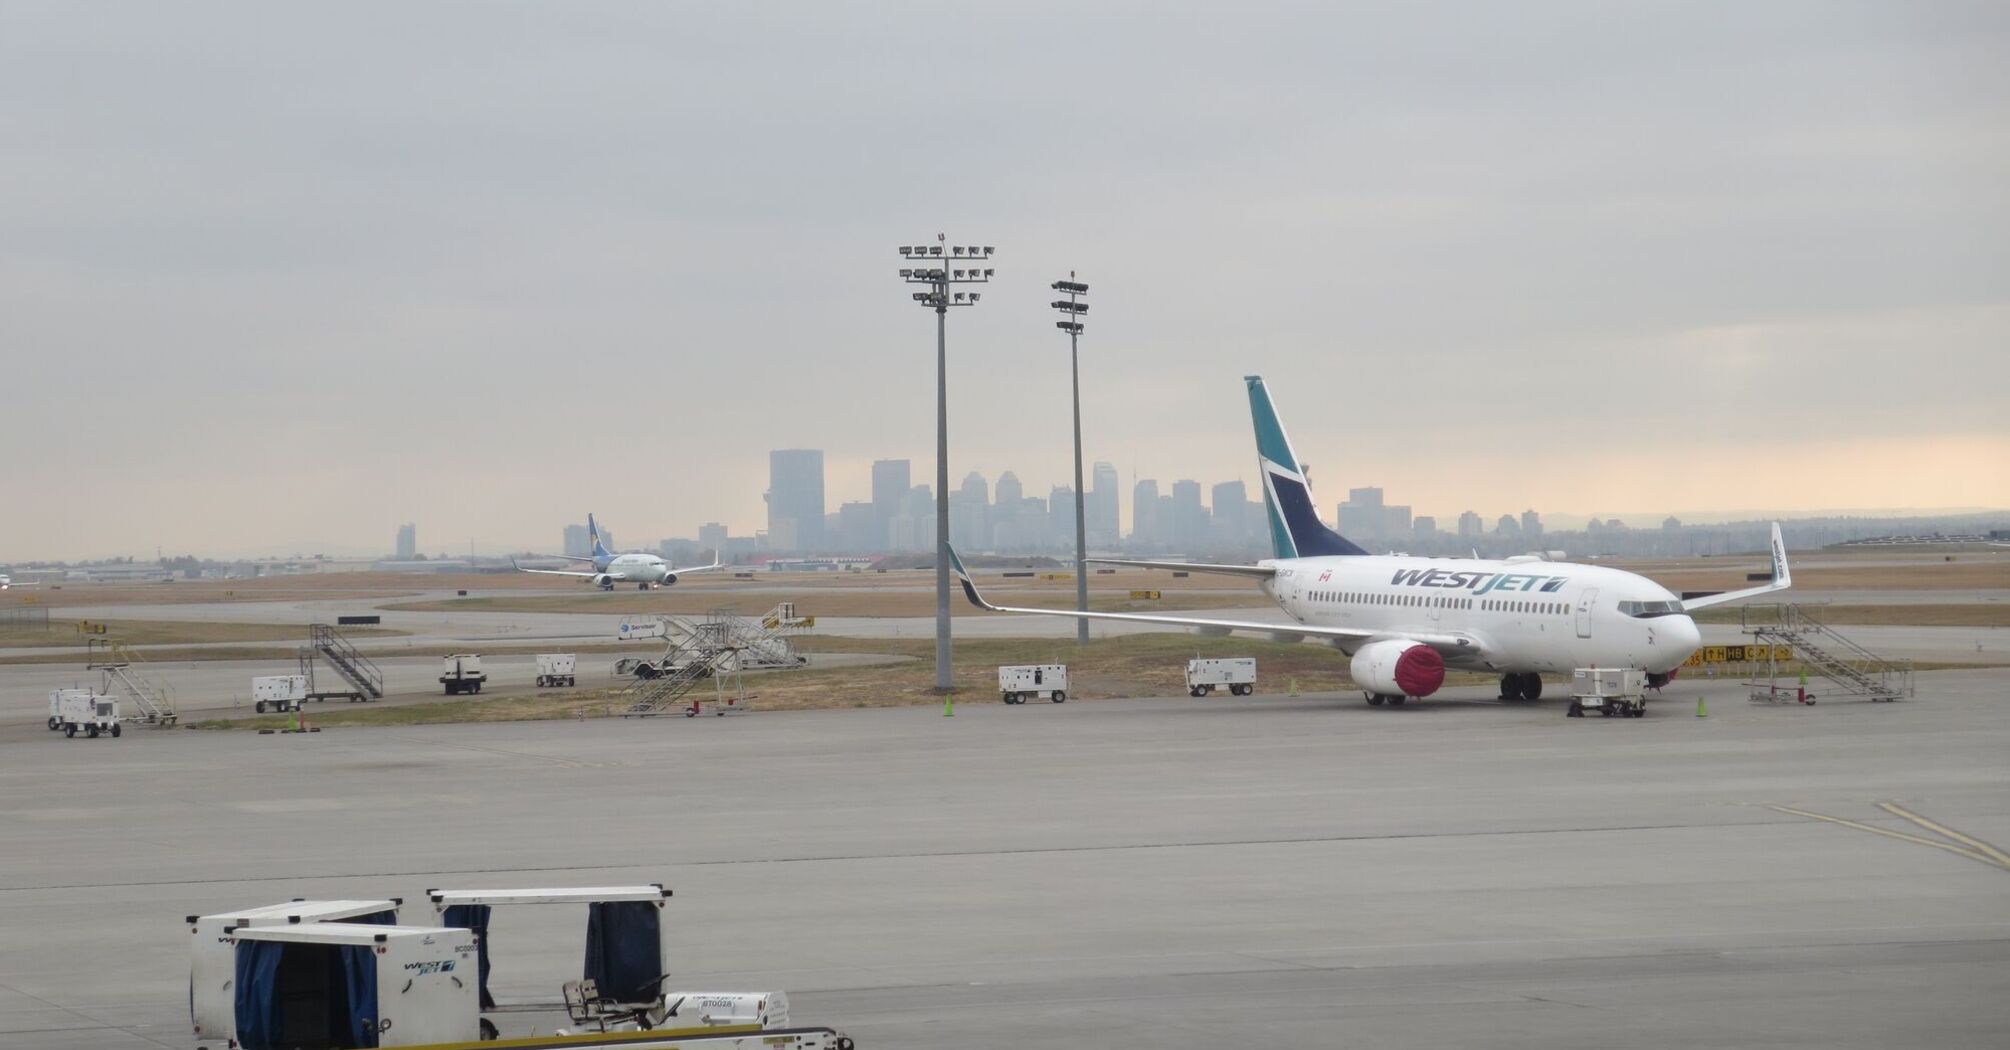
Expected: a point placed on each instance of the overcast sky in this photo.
(280, 277)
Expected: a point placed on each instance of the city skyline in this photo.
(1747, 258)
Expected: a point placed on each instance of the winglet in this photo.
(963, 577)
(1781, 576)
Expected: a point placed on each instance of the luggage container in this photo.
(56, 705)
(1017, 684)
(278, 692)
(556, 669)
(337, 986)
(212, 965)
(1237, 674)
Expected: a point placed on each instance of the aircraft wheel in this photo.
(1374, 699)
(1531, 686)
(1395, 701)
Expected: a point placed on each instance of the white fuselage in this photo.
(1520, 616)
(638, 568)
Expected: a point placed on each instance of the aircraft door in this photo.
(1585, 602)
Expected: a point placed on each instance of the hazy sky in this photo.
(280, 277)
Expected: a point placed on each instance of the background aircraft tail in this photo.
(1295, 528)
(593, 533)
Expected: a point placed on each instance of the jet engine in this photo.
(668, 579)
(603, 581)
(1394, 667)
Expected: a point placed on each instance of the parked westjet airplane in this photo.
(1404, 620)
(609, 568)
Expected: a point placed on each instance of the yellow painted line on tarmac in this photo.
(1994, 854)
(1888, 833)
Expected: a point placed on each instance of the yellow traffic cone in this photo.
(1293, 690)
(1702, 709)
(949, 704)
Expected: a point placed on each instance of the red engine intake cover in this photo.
(1420, 671)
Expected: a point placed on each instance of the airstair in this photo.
(762, 643)
(364, 678)
(718, 648)
(1852, 670)
(124, 669)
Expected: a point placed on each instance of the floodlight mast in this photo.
(1072, 308)
(936, 274)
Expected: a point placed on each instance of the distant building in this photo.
(408, 541)
(1101, 508)
(577, 545)
(1395, 521)
(795, 499)
(891, 478)
(712, 536)
(1531, 525)
(1470, 525)
(1423, 526)
(1144, 512)
(1508, 527)
(1671, 523)
(858, 527)
(1189, 516)
(1061, 518)
(1233, 514)
(970, 513)
(1362, 514)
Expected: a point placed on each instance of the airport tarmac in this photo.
(1270, 871)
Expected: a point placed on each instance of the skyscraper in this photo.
(1531, 524)
(1101, 507)
(890, 482)
(1362, 514)
(408, 541)
(576, 543)
(796, 499)
(1144, 512)
(1189, 517)
(1470, 525)
(1232, 513)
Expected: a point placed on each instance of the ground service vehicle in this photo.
(462, 673)
(82, 709)
(278, 692)
(1609, 691)
(1017, 684)
(1237, 674)
(556, 668)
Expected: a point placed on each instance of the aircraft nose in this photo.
(1687, 635)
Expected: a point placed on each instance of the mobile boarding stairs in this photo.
(1851, 669)
(125, 671)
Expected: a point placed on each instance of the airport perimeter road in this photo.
(1267, 872)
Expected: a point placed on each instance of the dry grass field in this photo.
(65, 633)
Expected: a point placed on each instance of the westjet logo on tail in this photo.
(1479, 582)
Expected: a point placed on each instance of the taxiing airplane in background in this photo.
(609, 568)
(1405, 620)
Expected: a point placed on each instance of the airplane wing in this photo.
(564, 572)
(1782, 579)
(1261, 572)
(714, 567)
(1281, 632)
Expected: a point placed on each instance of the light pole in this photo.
(1072, 308)
(935, 268)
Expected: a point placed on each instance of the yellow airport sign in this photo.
(1144, 596)
(1713, 654)
(1695, 659)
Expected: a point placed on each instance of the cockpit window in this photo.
(1648, 610)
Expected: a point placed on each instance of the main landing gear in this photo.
(1525, 685)
(1378, 699)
